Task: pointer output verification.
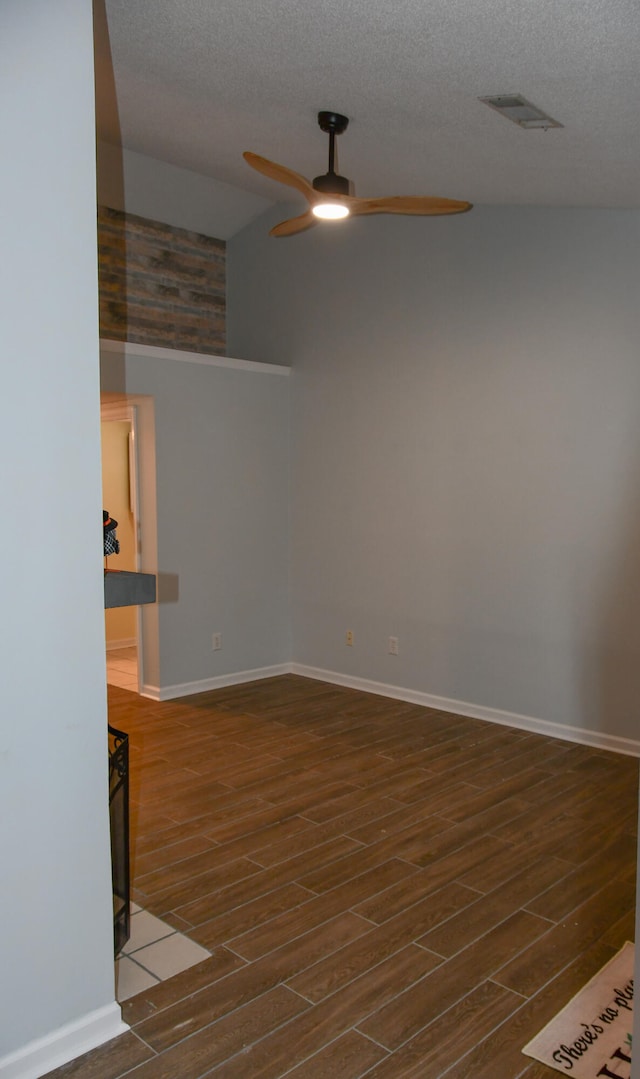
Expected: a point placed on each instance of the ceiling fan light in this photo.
(330, 211)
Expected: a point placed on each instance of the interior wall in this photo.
(222, 459)
(155, 189)
(57, 948)
(465, 450)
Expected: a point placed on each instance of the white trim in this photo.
(115, 411)
(126, 642)
(581, 735)
(186, 689)
(64, 1044)
(131, 349)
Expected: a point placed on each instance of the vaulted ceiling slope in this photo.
(195, 83)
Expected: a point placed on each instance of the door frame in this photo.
(124, 408)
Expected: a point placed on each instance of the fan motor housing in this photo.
(331, 184)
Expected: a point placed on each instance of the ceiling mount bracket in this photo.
(333, 123)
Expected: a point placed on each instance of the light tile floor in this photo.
(154, 952)
(122, 668)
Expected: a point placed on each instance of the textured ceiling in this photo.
(196, 82)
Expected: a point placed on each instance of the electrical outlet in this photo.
(394, 646)
(349, 637)
(216, 642)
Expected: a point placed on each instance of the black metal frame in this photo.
(119, 823)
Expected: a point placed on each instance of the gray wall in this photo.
(57, 939)
(465, 448)
(141, 185)
(222, 463)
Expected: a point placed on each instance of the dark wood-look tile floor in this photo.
(386, 890)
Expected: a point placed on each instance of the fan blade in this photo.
(294, 224)
(280, 173)
(409, 204)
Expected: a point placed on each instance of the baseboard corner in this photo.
(68, 1042)
(204, 685)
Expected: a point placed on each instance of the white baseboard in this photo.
(64, 1044)
(581, 735)
(186, 689)
(127, 642)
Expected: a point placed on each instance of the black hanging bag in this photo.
(111, 544)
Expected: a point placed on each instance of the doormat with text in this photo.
(591, 1037)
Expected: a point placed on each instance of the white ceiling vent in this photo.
(516, 107)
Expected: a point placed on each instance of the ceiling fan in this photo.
(329, 195)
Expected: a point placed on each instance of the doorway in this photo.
(120, 499)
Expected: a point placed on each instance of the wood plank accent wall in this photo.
(160, 285)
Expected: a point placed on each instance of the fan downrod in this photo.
(333, 123)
